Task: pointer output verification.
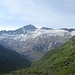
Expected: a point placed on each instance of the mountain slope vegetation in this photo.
(60, 61)
(11, 60)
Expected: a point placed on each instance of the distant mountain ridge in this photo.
(70, 30)
(21, 30)
(31, 27)
(46, 28)
(34, 43)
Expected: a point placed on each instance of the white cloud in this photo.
(12, 5)
(39, 12)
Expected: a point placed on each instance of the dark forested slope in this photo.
(11, 60)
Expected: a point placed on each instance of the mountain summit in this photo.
(33, 42)
(22, 30)
(30, 27)
(25, 29)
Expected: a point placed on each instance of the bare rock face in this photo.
(35, 43)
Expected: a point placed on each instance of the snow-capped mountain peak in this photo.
(33, 42)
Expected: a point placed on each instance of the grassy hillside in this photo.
(59, 61)
(11, 60)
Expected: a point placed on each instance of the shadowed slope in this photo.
(11, 60)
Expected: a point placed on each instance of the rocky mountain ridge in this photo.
(33, 42)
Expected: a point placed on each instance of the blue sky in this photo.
(49, 13)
